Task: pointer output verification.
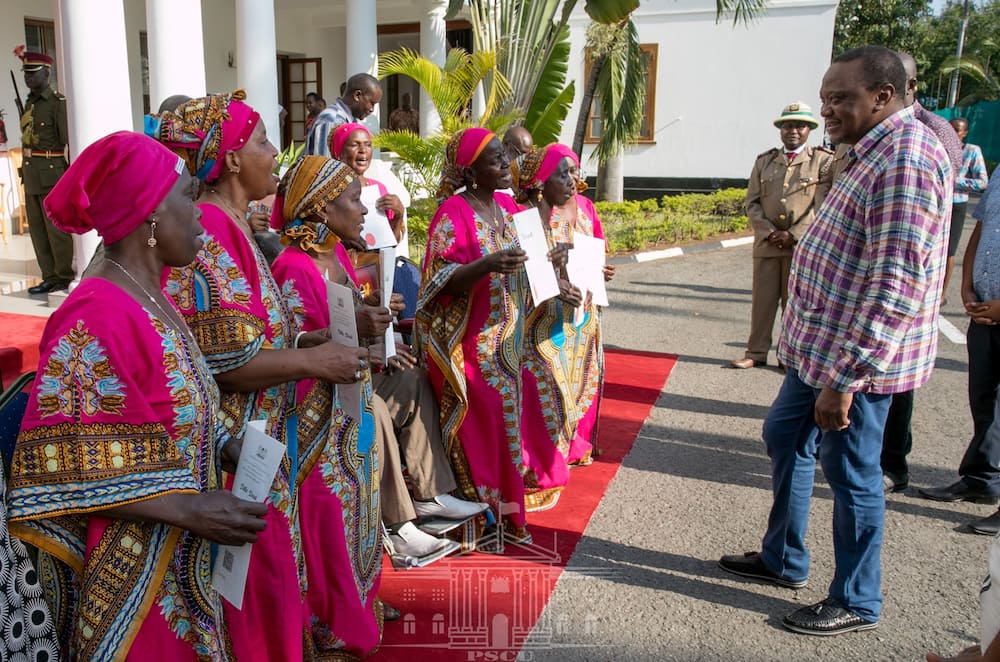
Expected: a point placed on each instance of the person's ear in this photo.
(233, 162)
(884, 96)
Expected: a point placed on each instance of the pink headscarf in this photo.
(565, 151)
(340, 135)
(471, 145)
(204, 130)
(113, 186)
(462, 151)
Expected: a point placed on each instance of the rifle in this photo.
(17, 96)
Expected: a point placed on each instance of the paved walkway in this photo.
(644, 584)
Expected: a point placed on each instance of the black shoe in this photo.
(749, 564)
(389, 613)
(47, 286)
(825, 619)
(42, 288)
(987, 526)
(893, 482)
(959, 491)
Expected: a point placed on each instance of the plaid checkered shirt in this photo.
(865, 284)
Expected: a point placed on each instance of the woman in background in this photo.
(470, 325)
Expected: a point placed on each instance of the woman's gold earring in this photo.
(151, 242)
(538, 196)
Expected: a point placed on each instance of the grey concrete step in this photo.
(11, 282)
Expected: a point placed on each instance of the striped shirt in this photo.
(337, 113)
(865, 285)
(972, 176)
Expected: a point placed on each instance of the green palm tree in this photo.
(450, 89)
(531, 38)
(979, 71)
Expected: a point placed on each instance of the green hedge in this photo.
(635, 225)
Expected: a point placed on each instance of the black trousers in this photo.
(897, 439)
(980, 466)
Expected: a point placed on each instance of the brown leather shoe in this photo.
(743, 364)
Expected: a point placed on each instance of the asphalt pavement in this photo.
(644, 583)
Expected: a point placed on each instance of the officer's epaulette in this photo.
(823, 148)
(60, 96)
(773, 150)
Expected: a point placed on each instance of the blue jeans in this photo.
(850, 461)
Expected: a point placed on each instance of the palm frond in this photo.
(454, 6)
(550, 86)
(547, 124)
(610, 12)
(424, 155)
(500, 122)
(742, 11)
(974, 69)
(622, 83)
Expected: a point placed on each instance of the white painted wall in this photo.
(719, 87)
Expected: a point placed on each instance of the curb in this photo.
(677, 251)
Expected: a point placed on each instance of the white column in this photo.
(434, 47)
(94, 76)
(362, 48)
(362, 38)
(256, 61)
(174, 68)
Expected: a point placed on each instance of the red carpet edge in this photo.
(484, 607)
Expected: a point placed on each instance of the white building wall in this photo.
(719, 87)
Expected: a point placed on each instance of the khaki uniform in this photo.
(841, 159)
(780, 196)
(43, 129)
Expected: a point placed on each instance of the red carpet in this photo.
(19, 335)
(482, 606)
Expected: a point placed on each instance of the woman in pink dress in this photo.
(470, 321)
(246, 330)
(318, 203)
(351, 144)
(565, 358)
(115, 475)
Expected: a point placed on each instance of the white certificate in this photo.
(344, 330)
(376, 233)
(590, 252)
(387, 256)
(531, 237)
(260, 458)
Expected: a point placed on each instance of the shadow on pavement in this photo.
(704, 289)
(676, 573)
(734, 460)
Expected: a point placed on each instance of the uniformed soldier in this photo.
(785, 189)
(44, 138)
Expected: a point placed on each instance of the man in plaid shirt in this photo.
(860, 325)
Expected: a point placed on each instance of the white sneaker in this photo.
(448, 507)
(411, 541)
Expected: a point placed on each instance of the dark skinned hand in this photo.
(570, 293)
(338, 363)
(506, 261)
(221, 517)
(373, 321)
